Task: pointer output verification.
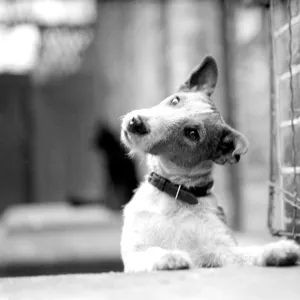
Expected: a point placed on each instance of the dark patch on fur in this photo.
(218, 141)
(203, 78)
(286, 261)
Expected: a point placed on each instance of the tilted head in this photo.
(186, 128)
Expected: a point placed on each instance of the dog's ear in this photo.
(231, 146)
(203, 78)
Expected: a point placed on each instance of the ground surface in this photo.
(251, 283)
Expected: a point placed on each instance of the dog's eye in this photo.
(175, 100)
(191, 133)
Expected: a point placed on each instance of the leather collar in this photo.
(188, 195)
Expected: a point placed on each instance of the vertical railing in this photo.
(273, 131)
(26, 107)
(234, 180)
(285, 117)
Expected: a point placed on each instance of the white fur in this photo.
(161, 233)
(203, 106)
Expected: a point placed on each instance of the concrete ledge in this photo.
(55, 216)
(223, 283)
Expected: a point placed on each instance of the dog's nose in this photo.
(137, 125)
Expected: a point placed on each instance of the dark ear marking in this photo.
(203, 78)
(231, 146)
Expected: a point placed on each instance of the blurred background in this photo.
(68, 71)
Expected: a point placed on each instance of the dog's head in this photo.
(186, 127)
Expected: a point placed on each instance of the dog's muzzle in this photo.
(138, 126)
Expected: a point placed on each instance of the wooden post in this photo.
(28, 142)
(234, 171)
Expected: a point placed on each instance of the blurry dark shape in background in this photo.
(121, 171)
(120, 167)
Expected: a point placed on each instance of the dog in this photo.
(172, 220)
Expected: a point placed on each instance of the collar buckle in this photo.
(178, 190)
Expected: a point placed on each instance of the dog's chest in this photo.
(159, 220)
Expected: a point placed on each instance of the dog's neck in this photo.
(201, 175)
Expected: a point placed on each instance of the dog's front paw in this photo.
(282, 253)
(173, 260)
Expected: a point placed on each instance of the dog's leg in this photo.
(281, 253)
(156, 259)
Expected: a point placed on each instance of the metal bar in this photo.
(289, 219)
(285, 192)
(272, 175)
(290, 122)
(295, 70)
(293, 204)
(290, 170)
(293, 113)
(285, 27)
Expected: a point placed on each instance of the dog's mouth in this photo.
(135, 127)
(135, 132)
(131, 136)
(126, 135)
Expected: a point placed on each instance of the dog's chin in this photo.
(135, 143)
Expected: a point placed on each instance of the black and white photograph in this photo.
(149, 149)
